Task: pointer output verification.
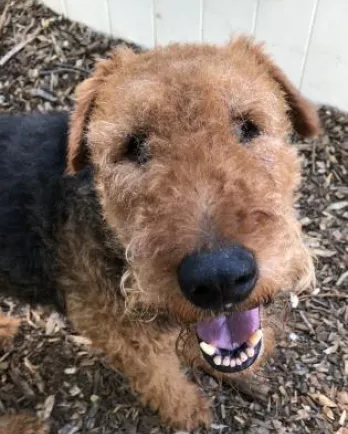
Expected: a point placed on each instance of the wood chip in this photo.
(17, 48)
(328, 413)
(332, 349)
(342, 278)
(48, 406)
(343, 418)
(4, 15)
(337, 205)
(322, 400)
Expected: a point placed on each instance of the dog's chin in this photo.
(231, 342)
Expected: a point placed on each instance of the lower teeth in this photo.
(217, 360)
(242, 357)
(250, 352)
(226, 361)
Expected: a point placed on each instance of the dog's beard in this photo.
(229, 341)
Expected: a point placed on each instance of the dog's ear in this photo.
(303, 114)
(86, 93)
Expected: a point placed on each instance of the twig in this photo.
(308, 324)
(64, 70)
(342, 278)
(17, 48)
(41, 93)
(3, 15)
(314, 156)
(74, 68)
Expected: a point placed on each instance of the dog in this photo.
(160, 217)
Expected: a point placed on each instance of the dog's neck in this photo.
(89, 247)
(83, 237)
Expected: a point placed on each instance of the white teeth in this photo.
(226, 361)
(255, 338)
(250, 352)
(217, 360)
(243, 357)
(207, 348)
(228, 306)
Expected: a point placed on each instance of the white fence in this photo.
(308, 38)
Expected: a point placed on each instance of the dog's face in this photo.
(197, 181)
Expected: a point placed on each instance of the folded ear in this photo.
(86, 93)
(303, 113)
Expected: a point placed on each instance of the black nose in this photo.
(216, 278)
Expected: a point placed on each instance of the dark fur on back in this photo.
(38, 204)
(32, 161)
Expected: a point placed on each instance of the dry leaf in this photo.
(337, 205)
(343, 418)
(80, 340)
(342, 397)
(332, 349)
(48, 406)
(322, 400)
(32, 369)
(324, 253)
(328, 413)
(294, 300)
(70, 371)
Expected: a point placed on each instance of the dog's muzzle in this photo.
(218, 280)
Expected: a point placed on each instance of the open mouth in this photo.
(233, 342)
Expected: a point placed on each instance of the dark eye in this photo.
(137, 149)
(247, 130)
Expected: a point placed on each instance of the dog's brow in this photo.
(139, 86)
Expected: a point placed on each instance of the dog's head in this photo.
(196, 178)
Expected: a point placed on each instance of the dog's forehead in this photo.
(181, 83)
(194, 69)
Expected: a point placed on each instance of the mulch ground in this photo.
(50, 369)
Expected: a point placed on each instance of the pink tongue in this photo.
(229, 332)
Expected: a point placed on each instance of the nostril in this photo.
(200, 290)
(245, 278)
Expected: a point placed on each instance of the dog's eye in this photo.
(137, 149)
(247, 130)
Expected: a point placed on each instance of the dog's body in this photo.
(33, 153)
(176, 213)
(40, 205)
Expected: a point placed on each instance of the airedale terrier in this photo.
(174, 224)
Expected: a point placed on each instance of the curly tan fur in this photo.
(22, 423)
(201, 188)
(8, 329)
